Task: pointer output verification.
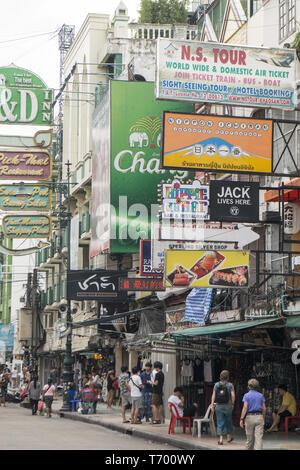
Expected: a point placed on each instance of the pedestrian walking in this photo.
(135, 386)
(157, 392)
(110, 389)
(4, 381)
(47, 397)
(53, 377)
(34, 393)
(222, 401)
(124, 392)
(253, 416)
(146, 410)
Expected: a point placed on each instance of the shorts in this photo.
(284, 415)
(126, 399)
(157, 399)
(48, 401)
(137, 402)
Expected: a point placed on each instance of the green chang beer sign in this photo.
(24, 98)
(25, 197)
(28, 226)
(135, 162)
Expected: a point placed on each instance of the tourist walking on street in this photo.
(47, 397)
(157, 392)
(53, 377)
(222, 401)
(4, 381)
(124, 392)
(135, 386)
(110, 389)
(253, 416)
(146, 410)
(34, 393)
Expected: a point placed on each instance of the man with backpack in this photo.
(222, 401)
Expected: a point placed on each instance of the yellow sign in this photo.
(227, 269)
(217, 143)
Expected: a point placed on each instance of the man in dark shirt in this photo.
(158, 384)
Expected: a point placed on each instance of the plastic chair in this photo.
(73, 400)
(285, 423)
(207, 419)
(175, 417)
(88, 399)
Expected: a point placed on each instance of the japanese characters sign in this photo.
(235, 75)
(217, 143)
(29, 226)
(185, 201)
(100, 285)
(234, 201)
(29, 165)
(227, 269)
(141, 284)
(37, 197)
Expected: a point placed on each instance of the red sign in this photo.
(30, 165)
(141, 284)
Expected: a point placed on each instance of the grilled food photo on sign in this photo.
(180, 276)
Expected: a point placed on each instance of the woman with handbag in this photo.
(47, 397)
(34, 392)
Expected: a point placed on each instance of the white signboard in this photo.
(185, 201)
(234, 75)
(291, 218)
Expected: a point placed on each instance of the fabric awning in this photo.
(290, 195)
(293, 321)
(220, 328)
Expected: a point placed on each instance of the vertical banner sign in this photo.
(232, 201)
(24, 98)
(234, 75)
(146, 260)
(126, 170)
(217, 143)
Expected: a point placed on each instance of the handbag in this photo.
(40, 406)
(115, 384)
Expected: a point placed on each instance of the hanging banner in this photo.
(99, 284)
(6, 338)
(26, 197)
(217, 143)
(198, 304)
(29, 226)
(234, 201)
(146, 268)
(228, 269)
(28, 165)
(24, 98)
(225, 74)
(185, 201)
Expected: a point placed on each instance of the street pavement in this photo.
(19, 430)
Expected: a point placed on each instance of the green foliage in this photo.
(296, 42)
(163, 11)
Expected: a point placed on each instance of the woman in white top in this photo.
(135, 386)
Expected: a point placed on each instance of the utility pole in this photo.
(34, 330)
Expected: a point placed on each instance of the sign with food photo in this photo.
(190, 268)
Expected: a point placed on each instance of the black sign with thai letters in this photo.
(234, 201)
(99, 284)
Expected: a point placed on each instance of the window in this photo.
(255, 5)
(287, 18)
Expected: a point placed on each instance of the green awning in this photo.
(293, 321)
(221, 328)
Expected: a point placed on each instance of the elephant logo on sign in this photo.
(140, 138)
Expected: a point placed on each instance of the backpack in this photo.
(222, 394)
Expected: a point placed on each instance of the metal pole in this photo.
(68, 362)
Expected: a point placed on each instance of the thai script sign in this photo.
(24, 98)
(187, 201)
(217, 143)
(37, 197)
(226, 269)
(99, 284)
(29, 165)
(29, 226)
(235, 75)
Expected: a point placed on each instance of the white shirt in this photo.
(175, 401)
(134, 382)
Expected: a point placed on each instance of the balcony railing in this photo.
(169, 31)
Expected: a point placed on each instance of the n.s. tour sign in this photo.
(24, 98)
